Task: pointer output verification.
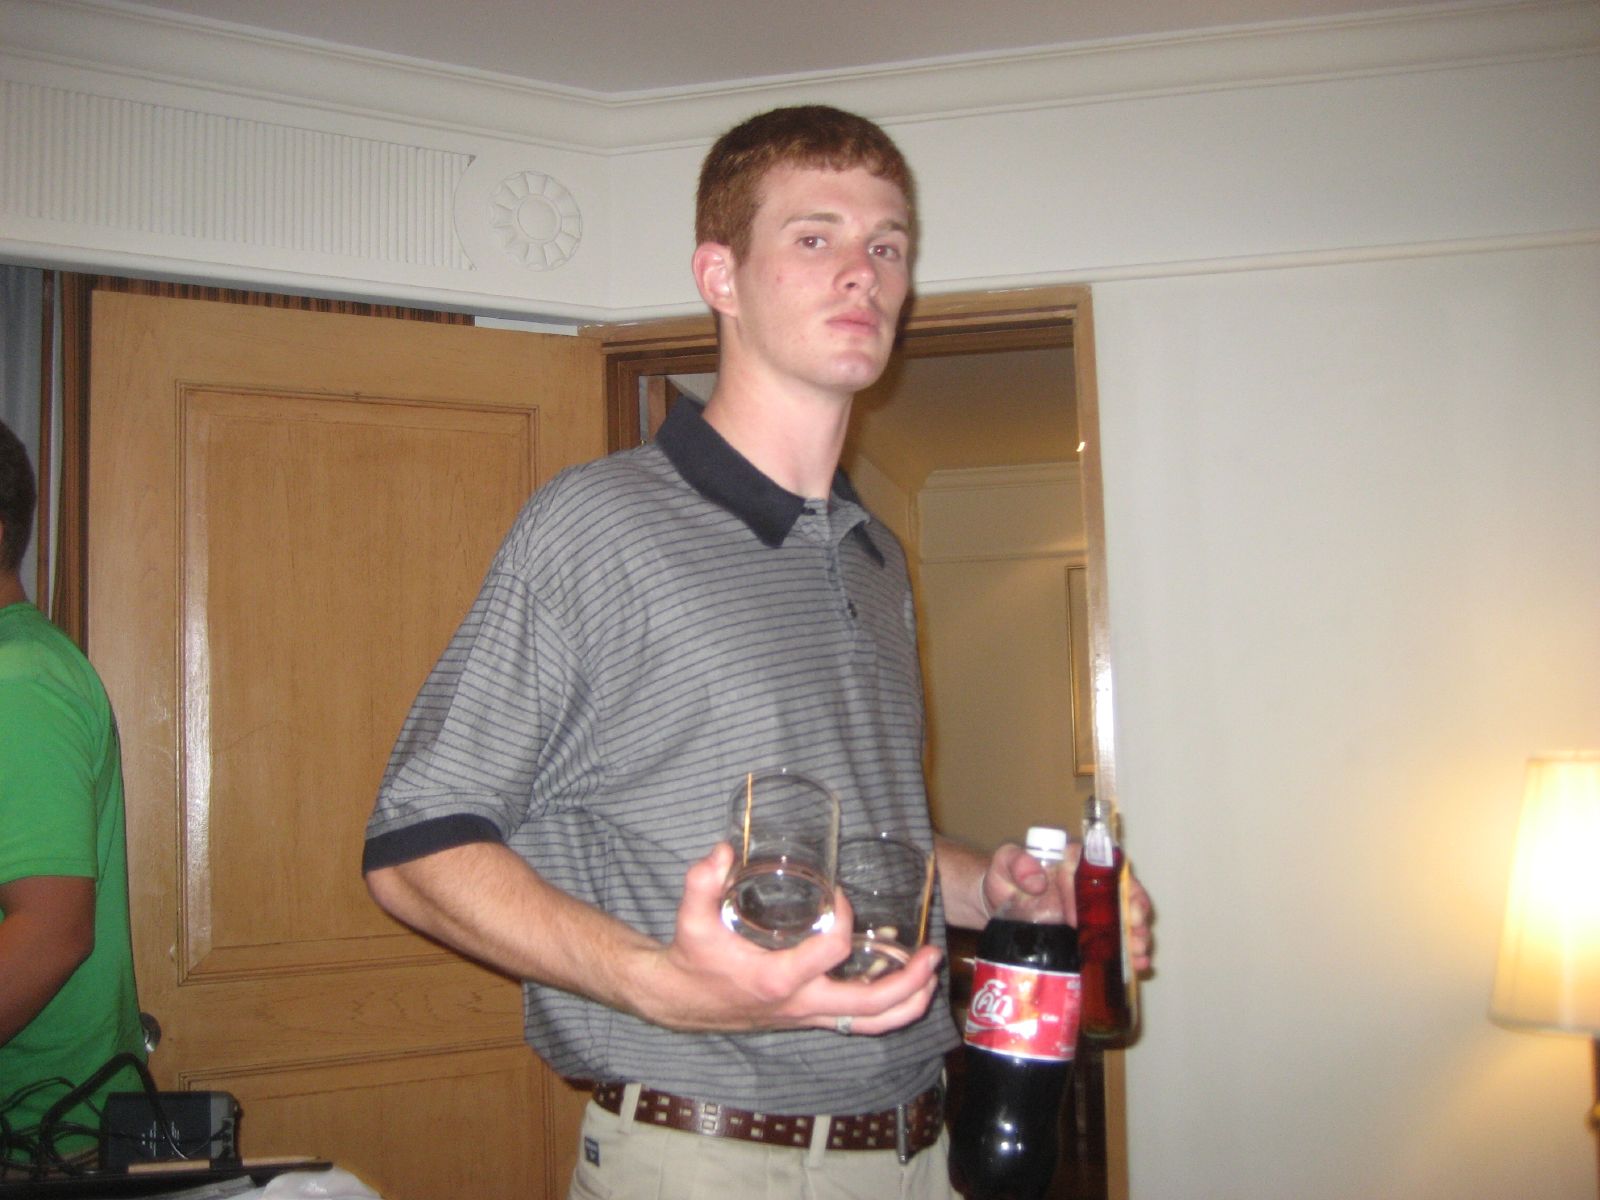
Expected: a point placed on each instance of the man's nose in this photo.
(860, 270)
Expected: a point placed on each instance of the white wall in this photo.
(1354, 529)
(1347, 294)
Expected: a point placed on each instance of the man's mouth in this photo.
(858, 319)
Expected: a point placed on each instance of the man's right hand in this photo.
(710, 978)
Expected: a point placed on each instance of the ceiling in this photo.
(619, 46)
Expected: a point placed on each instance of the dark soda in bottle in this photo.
(1021, 1036)
(1108, 1001)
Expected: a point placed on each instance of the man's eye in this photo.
(811, 241)
(886, 251)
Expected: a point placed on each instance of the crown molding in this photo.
(187, 149)
(978, 514)
(1031, 475)
(110, 37)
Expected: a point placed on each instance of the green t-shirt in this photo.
(61, 814)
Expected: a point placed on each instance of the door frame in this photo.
(960, 323)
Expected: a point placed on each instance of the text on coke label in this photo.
(1024, 1012)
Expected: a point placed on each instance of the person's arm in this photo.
(973, 887)
(48, 752)
(485, 901)
(962, 875)
(47, 933)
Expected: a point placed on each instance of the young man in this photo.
(656, 625)
(67, 1002)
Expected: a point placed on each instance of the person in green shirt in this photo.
(67, 1000)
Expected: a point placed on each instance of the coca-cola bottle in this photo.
(1100, 883)
(1021, 1035)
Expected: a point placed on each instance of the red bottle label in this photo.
(1023, 1012)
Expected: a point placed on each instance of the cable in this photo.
(38, 1143)
(19, 1147)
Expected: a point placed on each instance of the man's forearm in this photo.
(961, 879)
(485, 901)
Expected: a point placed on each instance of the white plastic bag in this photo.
(333, 1184)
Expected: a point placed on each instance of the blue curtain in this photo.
(21, 300)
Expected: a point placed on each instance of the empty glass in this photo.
(889, 884)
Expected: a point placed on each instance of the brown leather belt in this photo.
(906, 1129)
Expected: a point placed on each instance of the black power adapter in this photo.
(138, 1127)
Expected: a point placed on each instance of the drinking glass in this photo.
(784, 827)
(889, 884)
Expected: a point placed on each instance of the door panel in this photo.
(401, 1109)
(253, 466)
(289, 513)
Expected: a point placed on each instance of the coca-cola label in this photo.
(1023, 1012)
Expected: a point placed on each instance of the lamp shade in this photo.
(1548, 975)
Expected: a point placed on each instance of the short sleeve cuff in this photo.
(425, 838)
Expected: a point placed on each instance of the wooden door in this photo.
(289, 513)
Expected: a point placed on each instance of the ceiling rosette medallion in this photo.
(536, 220)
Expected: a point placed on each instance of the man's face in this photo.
(813, 304)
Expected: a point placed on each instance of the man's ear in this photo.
(713, 274)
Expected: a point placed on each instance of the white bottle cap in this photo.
(1047, 839)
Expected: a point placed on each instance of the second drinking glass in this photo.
(889, 884)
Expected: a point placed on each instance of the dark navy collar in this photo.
(728, 479)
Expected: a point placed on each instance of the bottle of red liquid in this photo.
(1100, 883)
(1021, 1036)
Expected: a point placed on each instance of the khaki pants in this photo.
(621, 1160)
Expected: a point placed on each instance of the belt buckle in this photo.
(905, 1113)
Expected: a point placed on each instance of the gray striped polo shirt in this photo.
(656, 624)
